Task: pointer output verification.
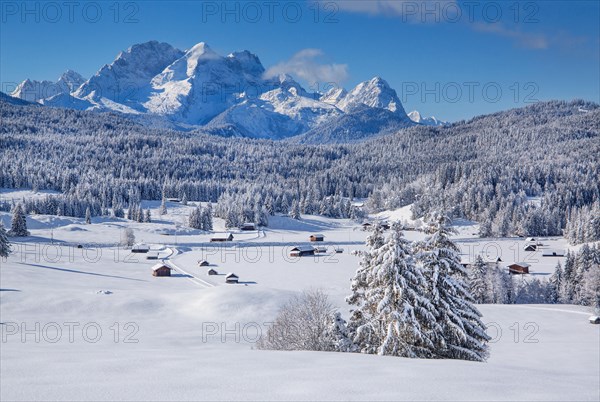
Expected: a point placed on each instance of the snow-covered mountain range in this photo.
(224, 95)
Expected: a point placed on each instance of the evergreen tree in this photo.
(478, 281)
(207, 219)
(396, 318)
(462, 334)
(118, 211)
(195, 220)
(88, 216)
(567, 287)
(148, 217)
(18, 226)
(163, 206)
(4, 243)
(337, 335)
(554, 284)
(295, 212)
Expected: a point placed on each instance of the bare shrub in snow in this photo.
(307, 322)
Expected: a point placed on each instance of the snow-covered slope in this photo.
(375, 93)
(225, 95)
(127, 78)
(13, 100)
(127, 335)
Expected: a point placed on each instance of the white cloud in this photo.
(305, 65)
(409, 10)
(523, 39)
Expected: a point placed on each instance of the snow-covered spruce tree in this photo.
(295, 211)
(184, 199)
(195, 220)
(394, 316)
(148, 216)
(163, 206)
(18, 227)
(462, 334)
(478, 281)
(337, 334)
(4, 243)
(554, 284)
(567, 287)
(363, 335)
(88, 216)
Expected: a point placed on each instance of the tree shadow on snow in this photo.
(74, 271)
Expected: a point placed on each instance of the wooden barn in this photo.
(221, 237)
(212, 272)
(553, 253)
(301, 251)
(152, 256)
(231, 278)
(317, 237)
(248, 226)
(161, 270)
(203, 263)
(366, 226)
(140, 248)
(518, 268)
(530, 247)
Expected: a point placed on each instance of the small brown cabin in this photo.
(212, 272)
(203, 263)
(530, 247)
(301, 251)
(222, 237)
(161, 270)
(317, 237)
(518, 268)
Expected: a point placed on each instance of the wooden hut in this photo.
(518, 268)
(248, 226)
(140, 248)
(530, 247)
(221, 237)
(161, 270)
(301, 251)
(212, 272)
(152, 256)
(553, 253)
(203, 263)
(317, 237)
(231, 278)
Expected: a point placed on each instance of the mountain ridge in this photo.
(198, 89)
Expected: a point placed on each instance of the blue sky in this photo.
(453, 59)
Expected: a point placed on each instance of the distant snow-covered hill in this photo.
(426, 121)
(223, 95)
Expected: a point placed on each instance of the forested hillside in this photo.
(521, 171)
